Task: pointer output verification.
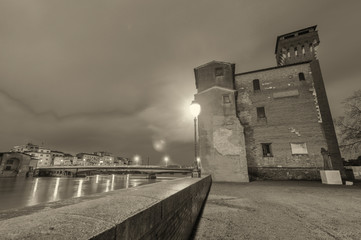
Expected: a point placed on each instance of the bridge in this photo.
(83, 171)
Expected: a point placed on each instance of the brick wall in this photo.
(292, 116)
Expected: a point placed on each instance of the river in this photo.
(21, 192)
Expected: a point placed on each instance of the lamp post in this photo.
(166, 159)
(195, 109)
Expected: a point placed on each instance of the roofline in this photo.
(278, 38)
(213, 87)
(214, 61)
(271, 68)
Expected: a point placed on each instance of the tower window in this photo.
(226, 99)
(218, 71)
(296, 52)
(261, 112)
(288, 53)
(301, 76)
(256, 85)
(311, 48)
(266, 150)
(303, 50)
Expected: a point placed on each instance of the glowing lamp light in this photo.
(195, 109)
(136, 159)
(166, 159)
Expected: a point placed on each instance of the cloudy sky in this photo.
(117, 76)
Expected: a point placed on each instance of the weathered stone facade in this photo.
(269, 123)
(14, 164)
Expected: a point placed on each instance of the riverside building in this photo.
(272, 123)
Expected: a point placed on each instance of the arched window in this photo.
(288, 53)
(301, 76)
(256, 85)
(303, 50)
(311, 48)
(296, 52)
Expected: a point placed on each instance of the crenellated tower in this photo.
(298, 46)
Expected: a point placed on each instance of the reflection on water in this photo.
(79, 188)
(21, 192)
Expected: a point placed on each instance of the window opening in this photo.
(218, 71)
(301, 76)
(267, 150)
(256, 85)
(261, 112)
(226, 99)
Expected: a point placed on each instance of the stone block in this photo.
(348, 183)
(356, 172)
(331, 177)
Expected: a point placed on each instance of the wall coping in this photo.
(91, 216)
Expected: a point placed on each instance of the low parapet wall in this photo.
(165, 210)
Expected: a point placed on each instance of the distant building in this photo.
(55, 154)
(87, 159)
(43, 156)
(105, 158)
(269, 123)
(25, 148)
(67, 160)
(36, 152)
(16, 164)
(122, 161)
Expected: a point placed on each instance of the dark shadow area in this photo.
(195, 227)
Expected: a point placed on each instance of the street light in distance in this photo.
(166, 159)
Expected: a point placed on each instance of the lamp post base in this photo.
(196, 173)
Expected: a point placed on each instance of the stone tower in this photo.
(222, 145)
(298, 46)
(301, 46)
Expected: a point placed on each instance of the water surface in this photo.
(22, 192)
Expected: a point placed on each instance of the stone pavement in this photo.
(281, 210)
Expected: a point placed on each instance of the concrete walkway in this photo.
(281, 210)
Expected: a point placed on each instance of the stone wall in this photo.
(284, 173)
(221, 139)
(165, 210)
(20, 165)
(327, 121)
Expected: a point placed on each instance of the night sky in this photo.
(117, 76)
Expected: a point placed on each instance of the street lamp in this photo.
(195, 109)
(136, 159)
(166, 159)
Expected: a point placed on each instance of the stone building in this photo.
(270, 123)
(14, 164)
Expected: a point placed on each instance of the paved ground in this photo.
(281, 210)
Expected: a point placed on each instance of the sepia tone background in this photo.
(84, 76)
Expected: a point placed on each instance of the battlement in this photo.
(297, 46)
